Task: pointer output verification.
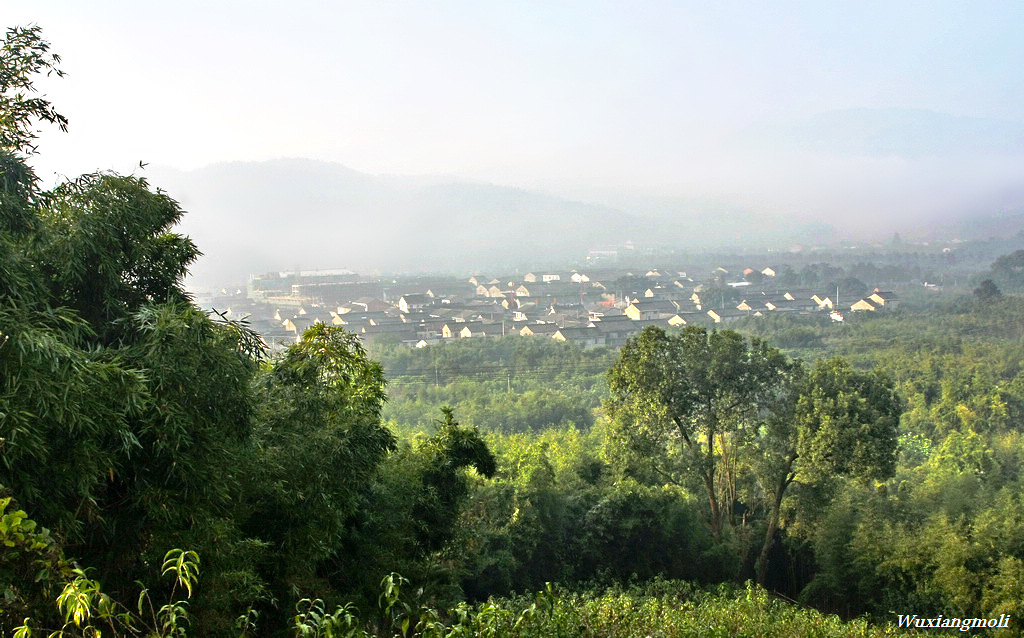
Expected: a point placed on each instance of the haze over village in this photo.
(486, 137)
(603, 306)
(657, 151)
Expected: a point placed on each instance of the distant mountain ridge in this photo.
(257, 216)
(253, 217)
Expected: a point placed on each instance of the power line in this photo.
(495, 372)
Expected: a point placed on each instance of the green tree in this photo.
(444, 486)
(840, 422)
(413, 517)
(124, 410)
(684, 401)
(23, 55)
(1007, 271)
(987, 292)
(32, 566)
(317, 445)
(109, 249)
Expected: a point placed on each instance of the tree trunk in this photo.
(709, 482)
(773, 520)
(716, 512)
(769, 540)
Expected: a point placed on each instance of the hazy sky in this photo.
(617, 95)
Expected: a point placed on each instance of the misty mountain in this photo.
(254, 217)
(251, 217)
(281, 214)
(903, 132)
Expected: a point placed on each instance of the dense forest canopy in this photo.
(870, 467)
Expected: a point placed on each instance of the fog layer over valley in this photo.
(855, 176)
(555, 129)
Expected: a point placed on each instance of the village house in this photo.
(481, 329)
(824, 302)
(524, 310)
(570, 311)
(371, 318)
(585, 337)
(883, 299)
(613, 319)
(408, 303)
(430, 326)
(555, 289)
(778, 304)
(539, 330)
(297, 325)
(402, 332)
(616, 330)
(451, 329)
(364, 304)
(699, 298)
(726, 315)
(666, 293)
(656, 309)
(677, 320)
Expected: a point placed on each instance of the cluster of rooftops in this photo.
(599, 308)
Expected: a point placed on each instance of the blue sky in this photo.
(568, 96)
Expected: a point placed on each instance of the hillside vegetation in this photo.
(160, 475)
